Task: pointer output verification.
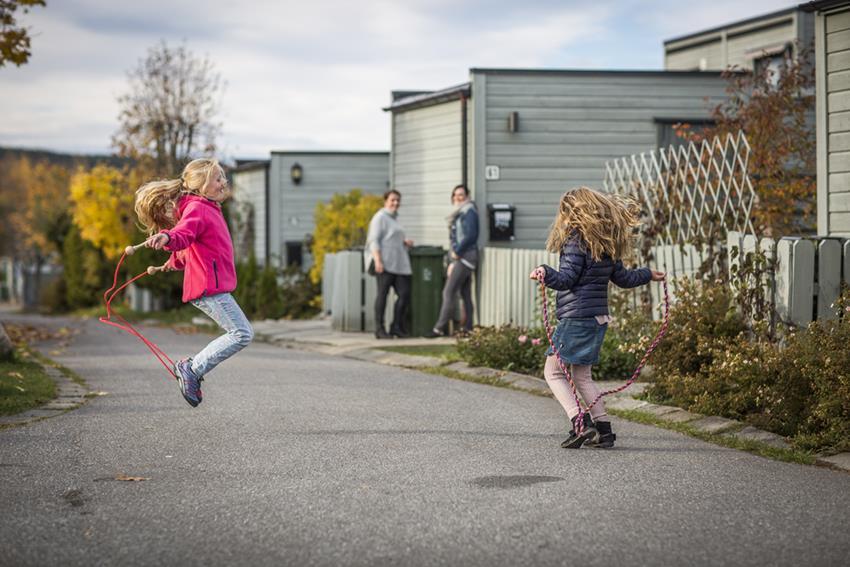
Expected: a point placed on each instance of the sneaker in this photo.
(434, 333)
(190, 384)
(382, 334)
(575, 441)
(605, 437)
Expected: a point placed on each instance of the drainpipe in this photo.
(463, 140)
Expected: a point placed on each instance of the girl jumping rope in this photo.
(183, 216)
(592, 233)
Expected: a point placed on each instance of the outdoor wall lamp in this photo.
(296, 173)
(513, 121)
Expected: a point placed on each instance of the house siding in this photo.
(324, 174)
(426, 164)
(738, 44)
(570, 124)
(834, 107)
(249, 188)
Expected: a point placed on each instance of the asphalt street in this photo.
(297, 458)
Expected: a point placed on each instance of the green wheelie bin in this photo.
(426, 289)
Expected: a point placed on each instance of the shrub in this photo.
(703, 322)
(819, 356)
(268, 303)
(301, 297)
(84, 274)
(506, 348)
(247, 276)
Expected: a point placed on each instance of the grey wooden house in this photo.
(747, 44)
(832, 69)
(278, 197)
(520, 137)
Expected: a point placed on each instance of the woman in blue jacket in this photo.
(463, 237)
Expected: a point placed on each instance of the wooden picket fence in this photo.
(805, 283)
(808, 273)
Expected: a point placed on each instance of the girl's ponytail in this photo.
(155, 202)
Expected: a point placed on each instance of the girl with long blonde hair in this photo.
(183, 216)
(592, 232)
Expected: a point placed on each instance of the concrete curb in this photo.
(69, 396)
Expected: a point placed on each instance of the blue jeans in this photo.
(224, 310)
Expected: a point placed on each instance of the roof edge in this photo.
(745, 21)
(432, 98)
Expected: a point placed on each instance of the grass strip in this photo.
(24, 385)
(748, 445)
(445, 352)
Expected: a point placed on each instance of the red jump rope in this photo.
(121, 322)
(565, 368)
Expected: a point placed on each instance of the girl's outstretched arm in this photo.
(623, 277)
(572, 263)
(186, 230)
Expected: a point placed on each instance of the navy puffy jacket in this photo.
(582, 283)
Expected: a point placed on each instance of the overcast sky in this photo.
(314, 74)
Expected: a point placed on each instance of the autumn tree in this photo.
(14, 38)
(102, 200)
(169, 113)
(34, 201)
(774, 107)
(341, 223)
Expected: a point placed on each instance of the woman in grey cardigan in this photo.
(387, 246)
(463, 238)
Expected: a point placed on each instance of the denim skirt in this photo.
(578, 340)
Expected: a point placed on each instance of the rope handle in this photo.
(662, 330)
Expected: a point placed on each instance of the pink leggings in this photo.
(587, 389)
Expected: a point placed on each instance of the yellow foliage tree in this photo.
(341, 223)
(102, 200)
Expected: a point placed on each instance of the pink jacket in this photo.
(202, 248)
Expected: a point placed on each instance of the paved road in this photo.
(300, 459)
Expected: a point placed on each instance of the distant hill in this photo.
(68, 160)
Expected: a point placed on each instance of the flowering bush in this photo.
(506, 348)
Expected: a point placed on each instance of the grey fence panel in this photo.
(783, 279)
(795, 277)
(508, 296)
(829, 277)
(346, 305)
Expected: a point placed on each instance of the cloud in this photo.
(310, 75)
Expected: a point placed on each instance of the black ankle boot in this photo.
(605, 438)
(575, 441)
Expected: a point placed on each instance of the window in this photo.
(772, 64)
(667, 129)
(294, 253)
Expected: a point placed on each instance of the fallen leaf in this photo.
(15, 375)
(21, 389)
(126, 478)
